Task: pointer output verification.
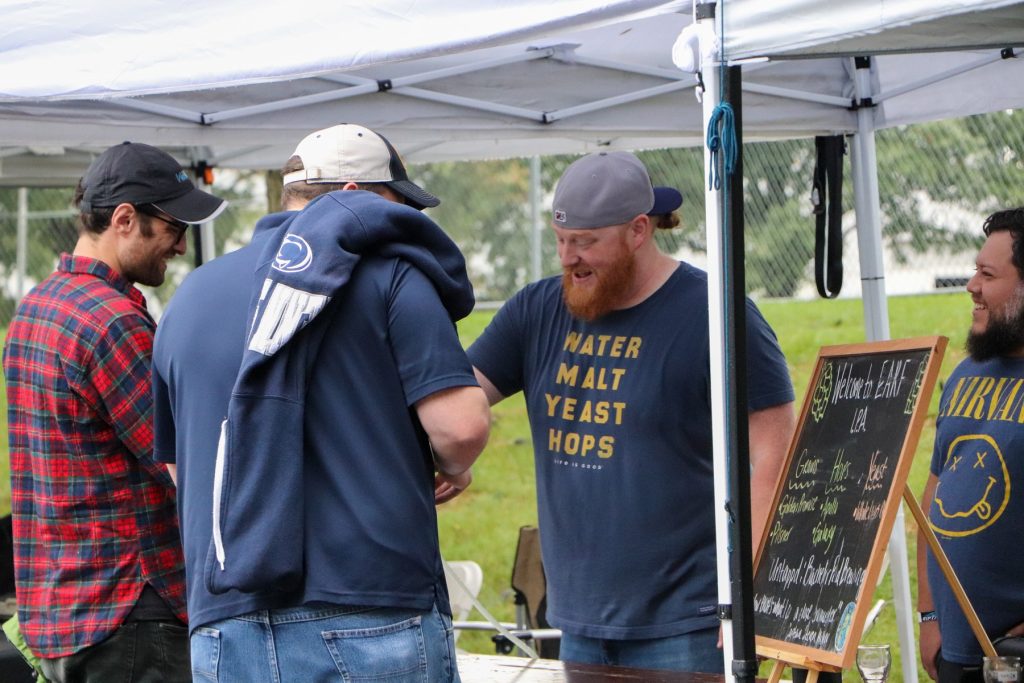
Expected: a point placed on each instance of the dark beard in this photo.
(1004, 336)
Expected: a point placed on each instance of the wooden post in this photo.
(947, 571)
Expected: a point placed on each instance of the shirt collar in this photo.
(84, 265)
(271, 222)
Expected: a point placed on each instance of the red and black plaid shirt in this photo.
(94, 516)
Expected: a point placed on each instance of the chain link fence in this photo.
(937, 182)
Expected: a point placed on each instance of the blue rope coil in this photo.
(721, 138)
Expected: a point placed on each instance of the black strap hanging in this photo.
(827, 198)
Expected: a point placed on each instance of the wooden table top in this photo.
(475, 668)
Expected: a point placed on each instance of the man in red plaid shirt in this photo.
(97, 554)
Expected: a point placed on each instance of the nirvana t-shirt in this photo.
(977, 512)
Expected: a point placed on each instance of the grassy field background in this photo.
(483, 523)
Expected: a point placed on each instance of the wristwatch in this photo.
(930, 615)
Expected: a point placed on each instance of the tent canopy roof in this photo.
(449, 79)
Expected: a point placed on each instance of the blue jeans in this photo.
(696, 651)
(326, 643)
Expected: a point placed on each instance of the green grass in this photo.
(482, 524)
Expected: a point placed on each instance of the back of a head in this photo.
(602, 189)
(663, 213)
(329, 159)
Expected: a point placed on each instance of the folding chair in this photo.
(530, 586)
(463, 587)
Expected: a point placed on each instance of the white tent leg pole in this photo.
(535, 222)
(22, 245)
(209, 244)
(716, 322)
(869, 234)
(876, 322)
(207, 241)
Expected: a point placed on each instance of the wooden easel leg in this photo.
(812, 676)
(776, 673)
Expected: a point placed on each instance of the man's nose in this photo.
(972, 284)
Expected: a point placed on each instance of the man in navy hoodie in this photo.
(314, 401)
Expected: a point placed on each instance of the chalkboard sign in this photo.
(837, 499)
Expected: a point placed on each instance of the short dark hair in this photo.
(1011, 220)
(307, 192)
(95, 221)
(98, 219)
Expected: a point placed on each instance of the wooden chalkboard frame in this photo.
(799, 653)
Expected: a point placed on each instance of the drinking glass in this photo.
(1001, 669)
(873, 663)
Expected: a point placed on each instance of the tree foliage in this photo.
(936, 181)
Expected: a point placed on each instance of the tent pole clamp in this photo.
(744, 668)
(1007, 53)
(384, 85)
(861, 63)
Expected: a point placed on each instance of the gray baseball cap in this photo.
(602, 189)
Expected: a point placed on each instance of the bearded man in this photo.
(98, 563)
(977, 460)
(613, 359)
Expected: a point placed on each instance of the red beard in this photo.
(590, 303)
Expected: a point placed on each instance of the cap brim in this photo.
(195, 206)
(666, 200)
(415, 196)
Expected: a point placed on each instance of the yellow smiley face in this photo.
(975, 469)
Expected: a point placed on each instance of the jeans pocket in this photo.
(205, 649)
(395, 653)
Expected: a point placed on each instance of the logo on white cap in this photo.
(560, 216)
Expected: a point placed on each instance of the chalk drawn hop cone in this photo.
(873, 663)
(1001, 669)
(915, 389)
(821, 393)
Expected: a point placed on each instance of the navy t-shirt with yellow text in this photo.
(621, 418)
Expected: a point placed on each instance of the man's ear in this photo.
(640, 230)
(124, 219)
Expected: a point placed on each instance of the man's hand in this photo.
(448, 486)
(930, 642)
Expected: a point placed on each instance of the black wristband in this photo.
(930, 615)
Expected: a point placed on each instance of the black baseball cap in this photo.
(136, 173)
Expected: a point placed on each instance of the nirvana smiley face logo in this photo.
(976, 471)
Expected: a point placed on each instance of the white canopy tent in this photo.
(236, 83)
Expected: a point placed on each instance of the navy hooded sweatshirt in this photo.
(306, 263)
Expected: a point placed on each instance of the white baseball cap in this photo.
(352, 153)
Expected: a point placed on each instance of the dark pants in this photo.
(950, 672)
(138, 652)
